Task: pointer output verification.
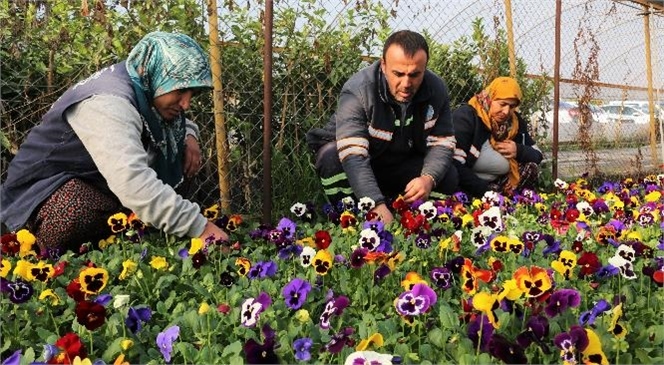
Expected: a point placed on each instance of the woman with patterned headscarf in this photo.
(494, 150)
(116, 140)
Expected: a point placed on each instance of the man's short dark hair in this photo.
(409, 41)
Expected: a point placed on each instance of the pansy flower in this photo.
(299, 209)
(442, 277)
(50, 296)
(252, 308)
(22, 270)
(19, 291)
(491, 218)
(339, 340)
(212, 212)
(307, 255)
(413, 222)
(365, 204)
(534, 281)
(322, 262)
(93, 280)
(565, 263)
(571, 342)
(159, 263)
(347, 221)
(369, 239)
(28, 243)
(453, 242)
(487, 304)
(302, 348)
(588, 263)
(471, 275)
(411, 279)
(369, 357)
(295, 293)
(502, 243)
(334, 306)
(357, 258)
(288, 227)
(480, 238)
(257, 353)
(625, 267)
(92, 315)
(165, 341)
(588, 318)
(416, 301)
(480, 331)
(118, 222)
(128, 268)
(505, 350)
(66, 349)
(9, 244)
(375, 341)
(617, 327)
(244, 265)
(561, 300)
(322, 239)
(593, 353)
(537, 330)
(136, 317)
(423, 240)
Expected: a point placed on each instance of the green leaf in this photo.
(435, 336)
(448, 318)
(233, 349)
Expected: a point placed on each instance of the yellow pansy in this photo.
(594, 350)
(117, 222)
(204, 308)
(565, 263)
(50, 295)
(159, 263)
(22, 270)
(653, 196)
(104, 243)
(196, 245)
(510, 291)
(126, 344)
(78, 361)
(27, 240)
(93, 280)
(5, 268)
(244, 265)
(487, 303)
(322, 262)
(376, 340)
(302, 315)
(411, 279)
(306, 241)
(128, 268)
(41, 271)
(212, 212)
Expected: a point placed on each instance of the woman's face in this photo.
(171, 104)
(502, 109)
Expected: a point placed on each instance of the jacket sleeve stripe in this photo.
(380, 134)
(447, 141)
(352, 142)
(460, 155)
(355, 150)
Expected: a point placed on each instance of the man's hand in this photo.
(193, 158)
(506, 148)
(418, 188)
(383, 213)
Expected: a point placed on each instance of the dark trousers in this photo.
(392, 178)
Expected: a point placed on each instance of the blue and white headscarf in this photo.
(160, 63)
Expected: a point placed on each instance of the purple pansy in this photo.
(416, 301)
(442, 277)
(19, 291)
(165, 341)
(295, 293)
(561, 300)
(302, 348)
(333, 306)
(136, 317)
(252, 308)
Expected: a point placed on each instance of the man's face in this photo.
(171, 104)
(502, 109)
(404, 74)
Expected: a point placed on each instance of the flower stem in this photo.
(479, 338)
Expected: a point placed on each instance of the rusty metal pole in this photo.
(556, 91)
(651, 101)
(218, 100)
(267, 113)
(510, 37)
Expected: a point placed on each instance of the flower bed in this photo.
(569, 277)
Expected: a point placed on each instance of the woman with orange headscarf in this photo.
(494, 150)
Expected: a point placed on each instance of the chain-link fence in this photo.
(318, 44)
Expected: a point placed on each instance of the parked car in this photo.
(625, 114)
(643, 106)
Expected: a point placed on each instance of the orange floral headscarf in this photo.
(500, 88)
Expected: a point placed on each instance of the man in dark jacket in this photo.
(392, 131)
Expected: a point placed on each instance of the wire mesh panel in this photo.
(319, 44)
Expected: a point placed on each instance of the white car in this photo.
(625, 114)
